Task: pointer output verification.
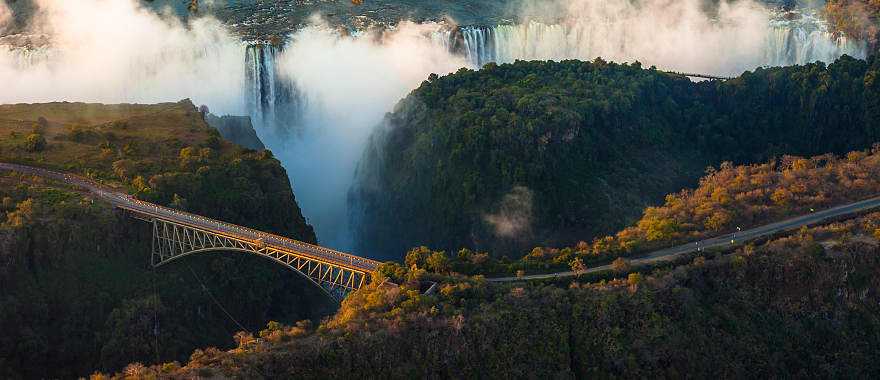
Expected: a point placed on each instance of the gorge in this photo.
(509, 167)
(320, 91)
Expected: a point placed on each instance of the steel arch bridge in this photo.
(172, 240)
(178, 234)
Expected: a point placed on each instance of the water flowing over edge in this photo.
(319, 137)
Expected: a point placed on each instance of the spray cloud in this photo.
(117, 51)
(349, 83)
(684, 35)
(513, 219)
(5, 16)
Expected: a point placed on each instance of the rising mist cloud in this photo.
(348, 83)
(117, 51)
(671, 34)
(513, 219)
(5, 16)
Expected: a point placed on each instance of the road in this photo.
(127, 202)
(150, 210)
(719, 241)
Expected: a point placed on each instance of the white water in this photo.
(115, 51)
(316, 100)
(342, 87)
(777, 42)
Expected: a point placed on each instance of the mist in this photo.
(726, 38)
(513, 218)
(348, 83)
(113, 51)
(5, 16)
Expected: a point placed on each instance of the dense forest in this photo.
(549, 153)
(803, 306)
(75, 282)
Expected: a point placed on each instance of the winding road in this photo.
(718, 241)
(127, 202)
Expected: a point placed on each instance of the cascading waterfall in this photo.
(25, 57)
(271, 101)
(344, 83)
(807, 40)
(801, 39)
(315, 100)
(275, 103)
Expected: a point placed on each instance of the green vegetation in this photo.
(550, 153)
(805, 305)
(856, 18)
(728, 197)
(75, 282)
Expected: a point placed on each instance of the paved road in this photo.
(150, 210)
(720, 241)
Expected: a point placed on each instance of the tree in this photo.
(437, 262)
(577, 266)
(620, 265)
(178, 202)
(658, 229)
(41, 126)
(634, 279)
(23, 214)
(188, 156)
(123, 168)
(35, 142)
(417, 257)
(140, 184)
(243, 338)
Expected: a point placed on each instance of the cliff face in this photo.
(549, 153)
(237, 129)
(76, 288)
(809, 302)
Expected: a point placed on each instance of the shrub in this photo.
(35, 142)
(620, 265)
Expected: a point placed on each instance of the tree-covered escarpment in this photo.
(804, 305)
(536, 153)
(76, 289)
(727, 198)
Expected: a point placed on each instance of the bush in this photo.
(620, 265)
(35, 142)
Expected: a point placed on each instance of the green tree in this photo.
(437, 262)
(35, 142)
(577, 266)
(417, 257)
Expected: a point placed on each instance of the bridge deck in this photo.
(150, 210)
(704, 76)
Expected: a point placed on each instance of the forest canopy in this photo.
(536, 153)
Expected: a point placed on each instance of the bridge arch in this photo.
(172, 241)
(329, 292)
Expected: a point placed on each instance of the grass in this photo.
(87, 138)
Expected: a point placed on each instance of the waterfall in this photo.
(805, 40)
(272, 100)
(790, 38)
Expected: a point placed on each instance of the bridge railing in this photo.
(256, 234)
(696, 75)
(121, 199)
